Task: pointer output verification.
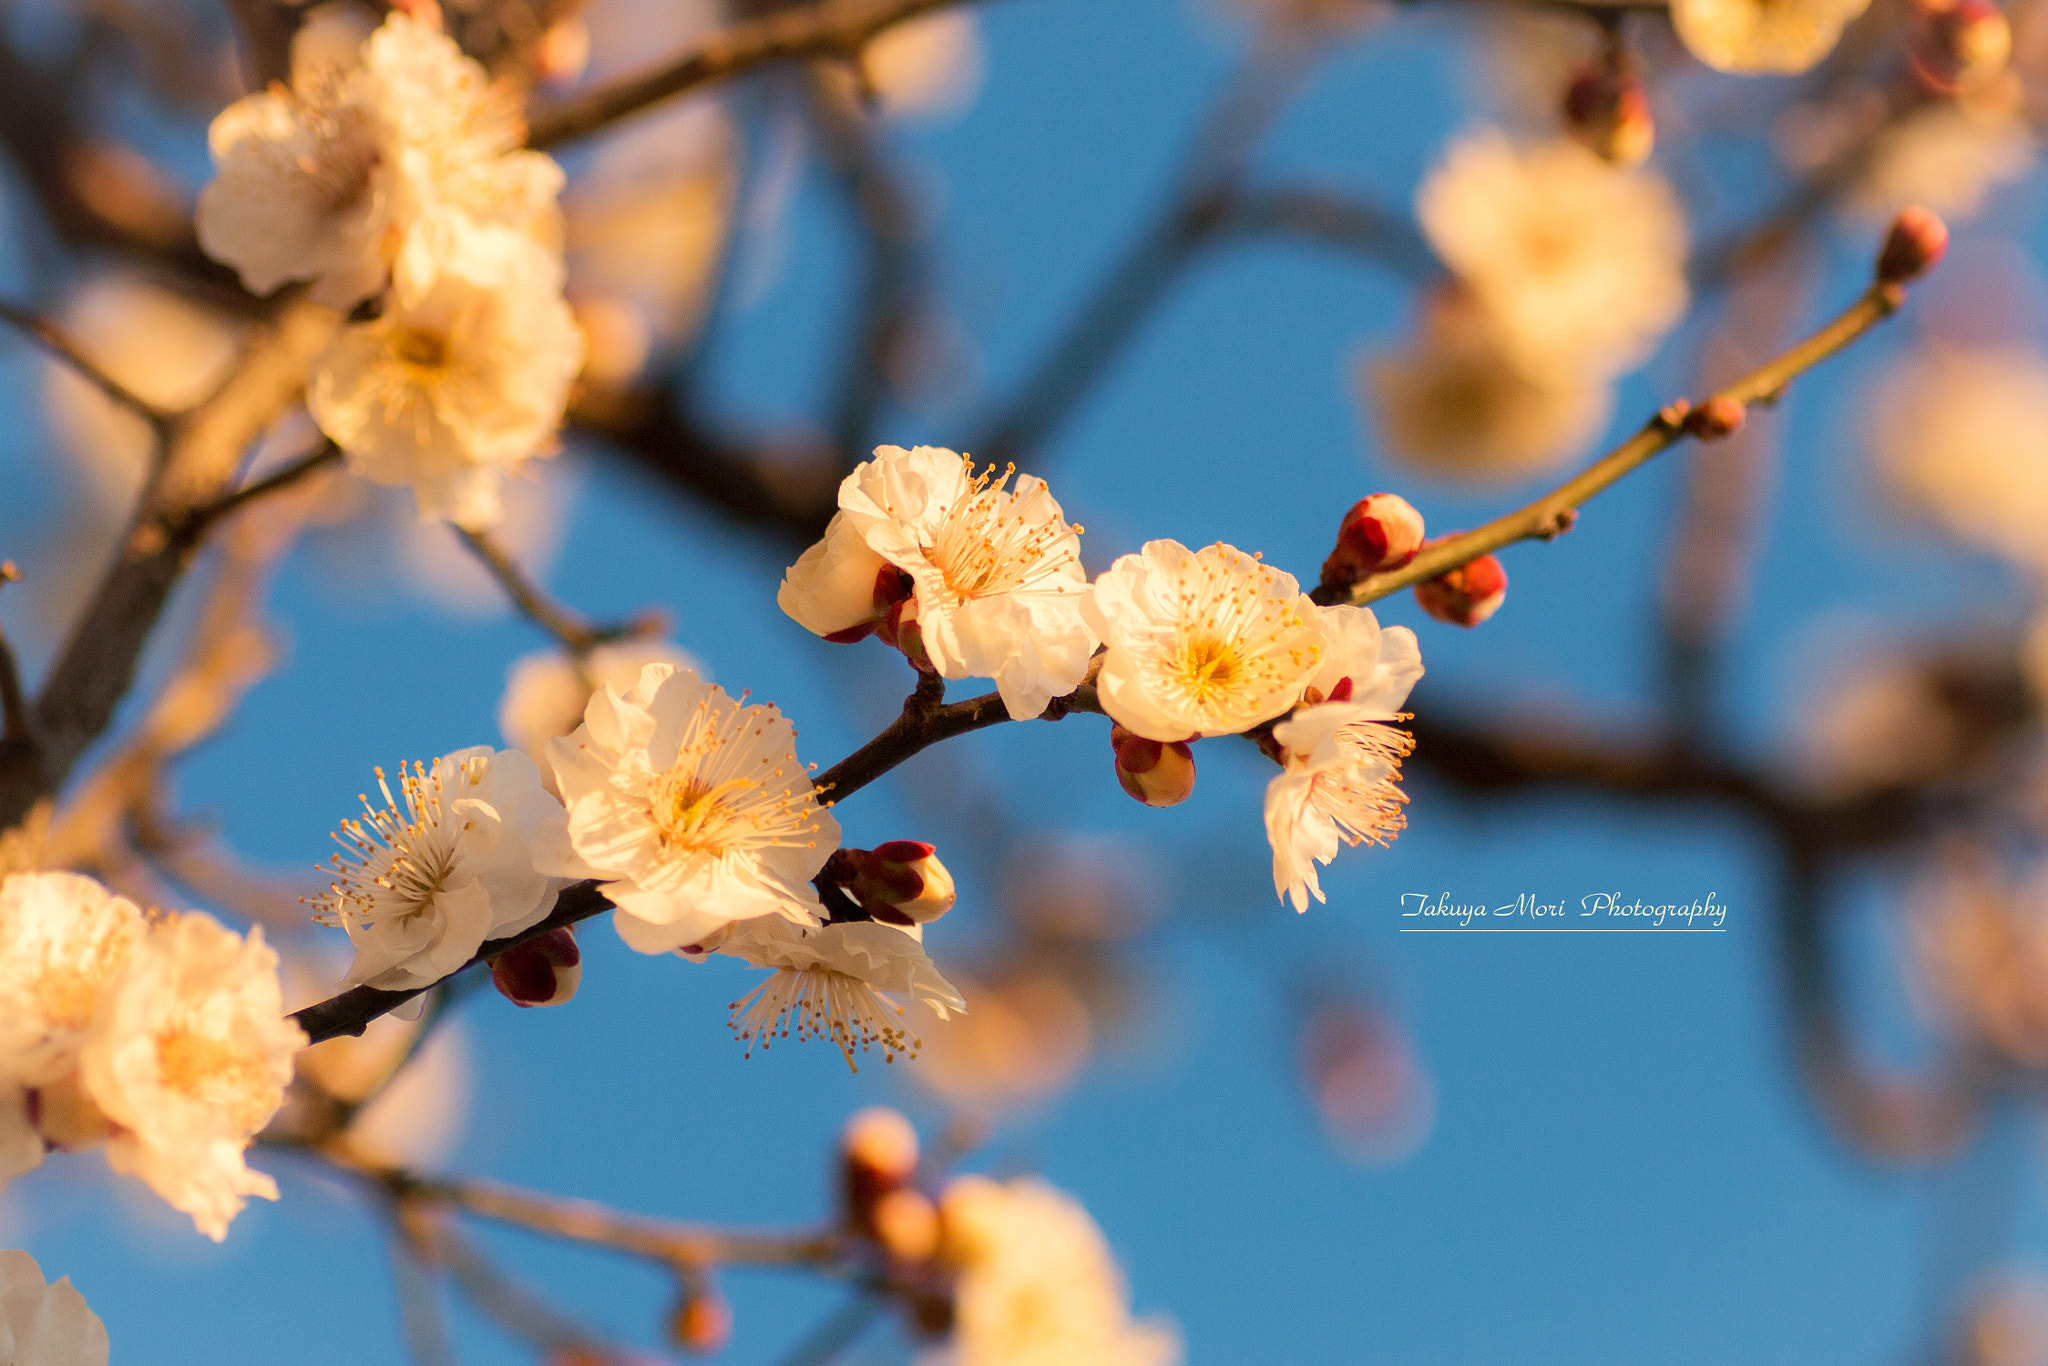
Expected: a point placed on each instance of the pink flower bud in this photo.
(1719, 416)
(1467, 595)
(906, 1224)
(877, 1154)
(1156, 772)
(702, 1321)
(1380, 532)
(1915, 245)
(900, 882)
(541, 972)
(1609, 113)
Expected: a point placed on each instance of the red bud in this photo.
(1609, 113)
(1915, 245)
(1380, 532)
(1155, 772)
(1467, 595)
(1719, 416)
(541, 972)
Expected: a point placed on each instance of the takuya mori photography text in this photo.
(1609, 910)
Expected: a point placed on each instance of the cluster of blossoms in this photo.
(162, 1037)
(972, 578)
(43, 1324)
(390, 177)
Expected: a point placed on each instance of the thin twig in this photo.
(283, 477)
(577, 636)
(58, 343)
(831, 28)
(15, 727)
(497, 1296)
(1553, 513)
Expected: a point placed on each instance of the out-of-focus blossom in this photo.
(1027, 1037)
(1201, 642)
(420, 889)
(1375, 1100)
(1578, 264)
(1036, 1283)
(2005, 1323)
(1945, 156)
(1872, 722)
(546, 692)
(1956, 437)
(835, 982)
(464, 376)
(1457, 404)
(996, 572)
(189, 1057)
(43, 1324)
(1979, 942)
(692, 808)
(926, 69)
(1782, 37)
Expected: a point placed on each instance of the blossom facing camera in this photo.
(1382, 531)
(692, 810)
(1608, 112)
(1917, 241)
(43, 1324)
(544, 971)
(901, 882)
(445, 865)
(1200, 642)
(1467, 595)
(1155, 772)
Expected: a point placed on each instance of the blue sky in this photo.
(1622, 1166)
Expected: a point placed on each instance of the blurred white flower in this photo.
(1026, 1038)
(43, 1324)
(416, 1119)
(1946, 157)
(692, 808)
(1956, 435)
(833, 982)
(189, 1056)
(464, 375)
(1782, 37)
(419, 890)
(63, 939)
(1455, 403)
(929, 68)
(1201, 642)
(1036, 1284)
(547, 691)
(997, 571)
(1580, 265)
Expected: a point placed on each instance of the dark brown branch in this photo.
(1339, 221)
(54, 340)
(279, 479)
(577, 636)
(832, 28)
(17, 729)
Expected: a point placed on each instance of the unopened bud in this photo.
(906, 1224)
(1959, 44)
(892, 589)
(66, 1116)
(544, 971)
(1380, 532)
(1608, 112)
(898, 629)
(563, 51)
(1467, 595)
(900, 882)
(877, 1155)
(1719, 416)
(1156, 772)
(702, 1321)
(1915, 245)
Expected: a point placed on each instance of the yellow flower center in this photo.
(696, 817)
(417, 346)
(215, 1073)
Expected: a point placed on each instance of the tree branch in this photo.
(279, 479)
(827, 29)
(58, 343)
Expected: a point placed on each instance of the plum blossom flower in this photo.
(834, 982)
(1783, 37)
(1340, 753)
(691, 807)
(1036, 1283)
(546, 692)
(996, 571)
(463, 376)
(1578, 264)
(43, 1324)
(189, 1057)
(323, 180)
(1201, 642)
(420, 889)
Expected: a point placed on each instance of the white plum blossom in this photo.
(189, 1057)
(1784, 37)
(420, 889)
(996, 571)
(43, 1324)
(833, 982)
(1340, 752)
(1580, 265)
(691, 808)
(1200, 642)
(1036, 1284)
(324, 179)
(546, 692)
(464, 376)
